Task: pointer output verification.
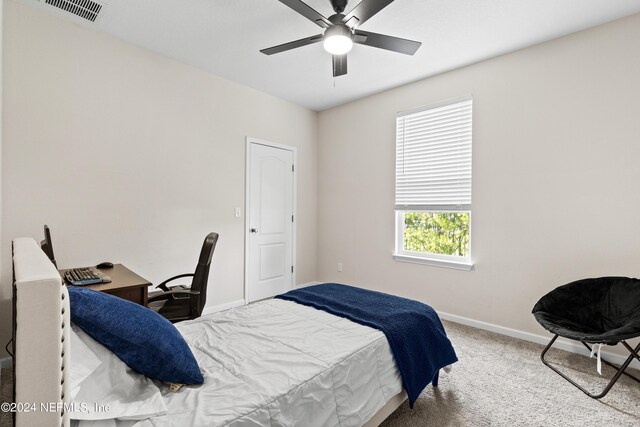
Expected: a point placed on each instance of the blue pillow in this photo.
(140, 337)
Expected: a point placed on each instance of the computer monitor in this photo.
(47, 246)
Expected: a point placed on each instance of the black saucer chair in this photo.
(186, 302)
(604, 310)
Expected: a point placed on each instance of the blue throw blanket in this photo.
(416, 336)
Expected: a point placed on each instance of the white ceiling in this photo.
(224, 37)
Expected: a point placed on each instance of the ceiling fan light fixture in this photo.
(337, 40)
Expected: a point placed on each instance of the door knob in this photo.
(253, 230)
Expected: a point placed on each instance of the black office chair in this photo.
(184, 303)
(47, 245)
(604, 310)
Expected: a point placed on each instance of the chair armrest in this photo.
(164, 286)
(169, 294)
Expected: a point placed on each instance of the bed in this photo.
(275, 362)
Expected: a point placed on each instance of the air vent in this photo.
(86, 9)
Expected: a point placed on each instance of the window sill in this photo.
(457, 265)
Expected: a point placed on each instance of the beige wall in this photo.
(555, 178)
(132, 157)
(5, 304)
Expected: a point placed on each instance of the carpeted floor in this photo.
(6, 390)
(500, 381)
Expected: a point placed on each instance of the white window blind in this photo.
(433, 157)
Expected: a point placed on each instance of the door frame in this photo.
(249, 141)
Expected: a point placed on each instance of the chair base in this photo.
(621, 369)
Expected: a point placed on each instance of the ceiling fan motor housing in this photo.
(336, 19)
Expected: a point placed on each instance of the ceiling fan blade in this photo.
(292, 45)
(339, 65)
(363, 11)
(381, 41)
(308, 12)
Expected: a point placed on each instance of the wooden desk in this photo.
(124, 284)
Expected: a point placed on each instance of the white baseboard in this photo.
(222, 307)
(304, 285)
(570, 346)
(6, 362)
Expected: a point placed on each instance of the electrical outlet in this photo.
(237, 213)
(339, 267)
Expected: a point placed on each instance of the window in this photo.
(433, 184)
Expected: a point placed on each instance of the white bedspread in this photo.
(278, 363)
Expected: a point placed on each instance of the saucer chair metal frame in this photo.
(635, 353)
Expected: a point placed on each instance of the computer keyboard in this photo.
(85, 276)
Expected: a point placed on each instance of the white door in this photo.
(270, 220)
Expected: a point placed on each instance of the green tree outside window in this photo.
(444, 233)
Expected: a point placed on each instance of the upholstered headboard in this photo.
(41, 337)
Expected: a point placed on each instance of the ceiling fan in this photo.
(342, 32)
